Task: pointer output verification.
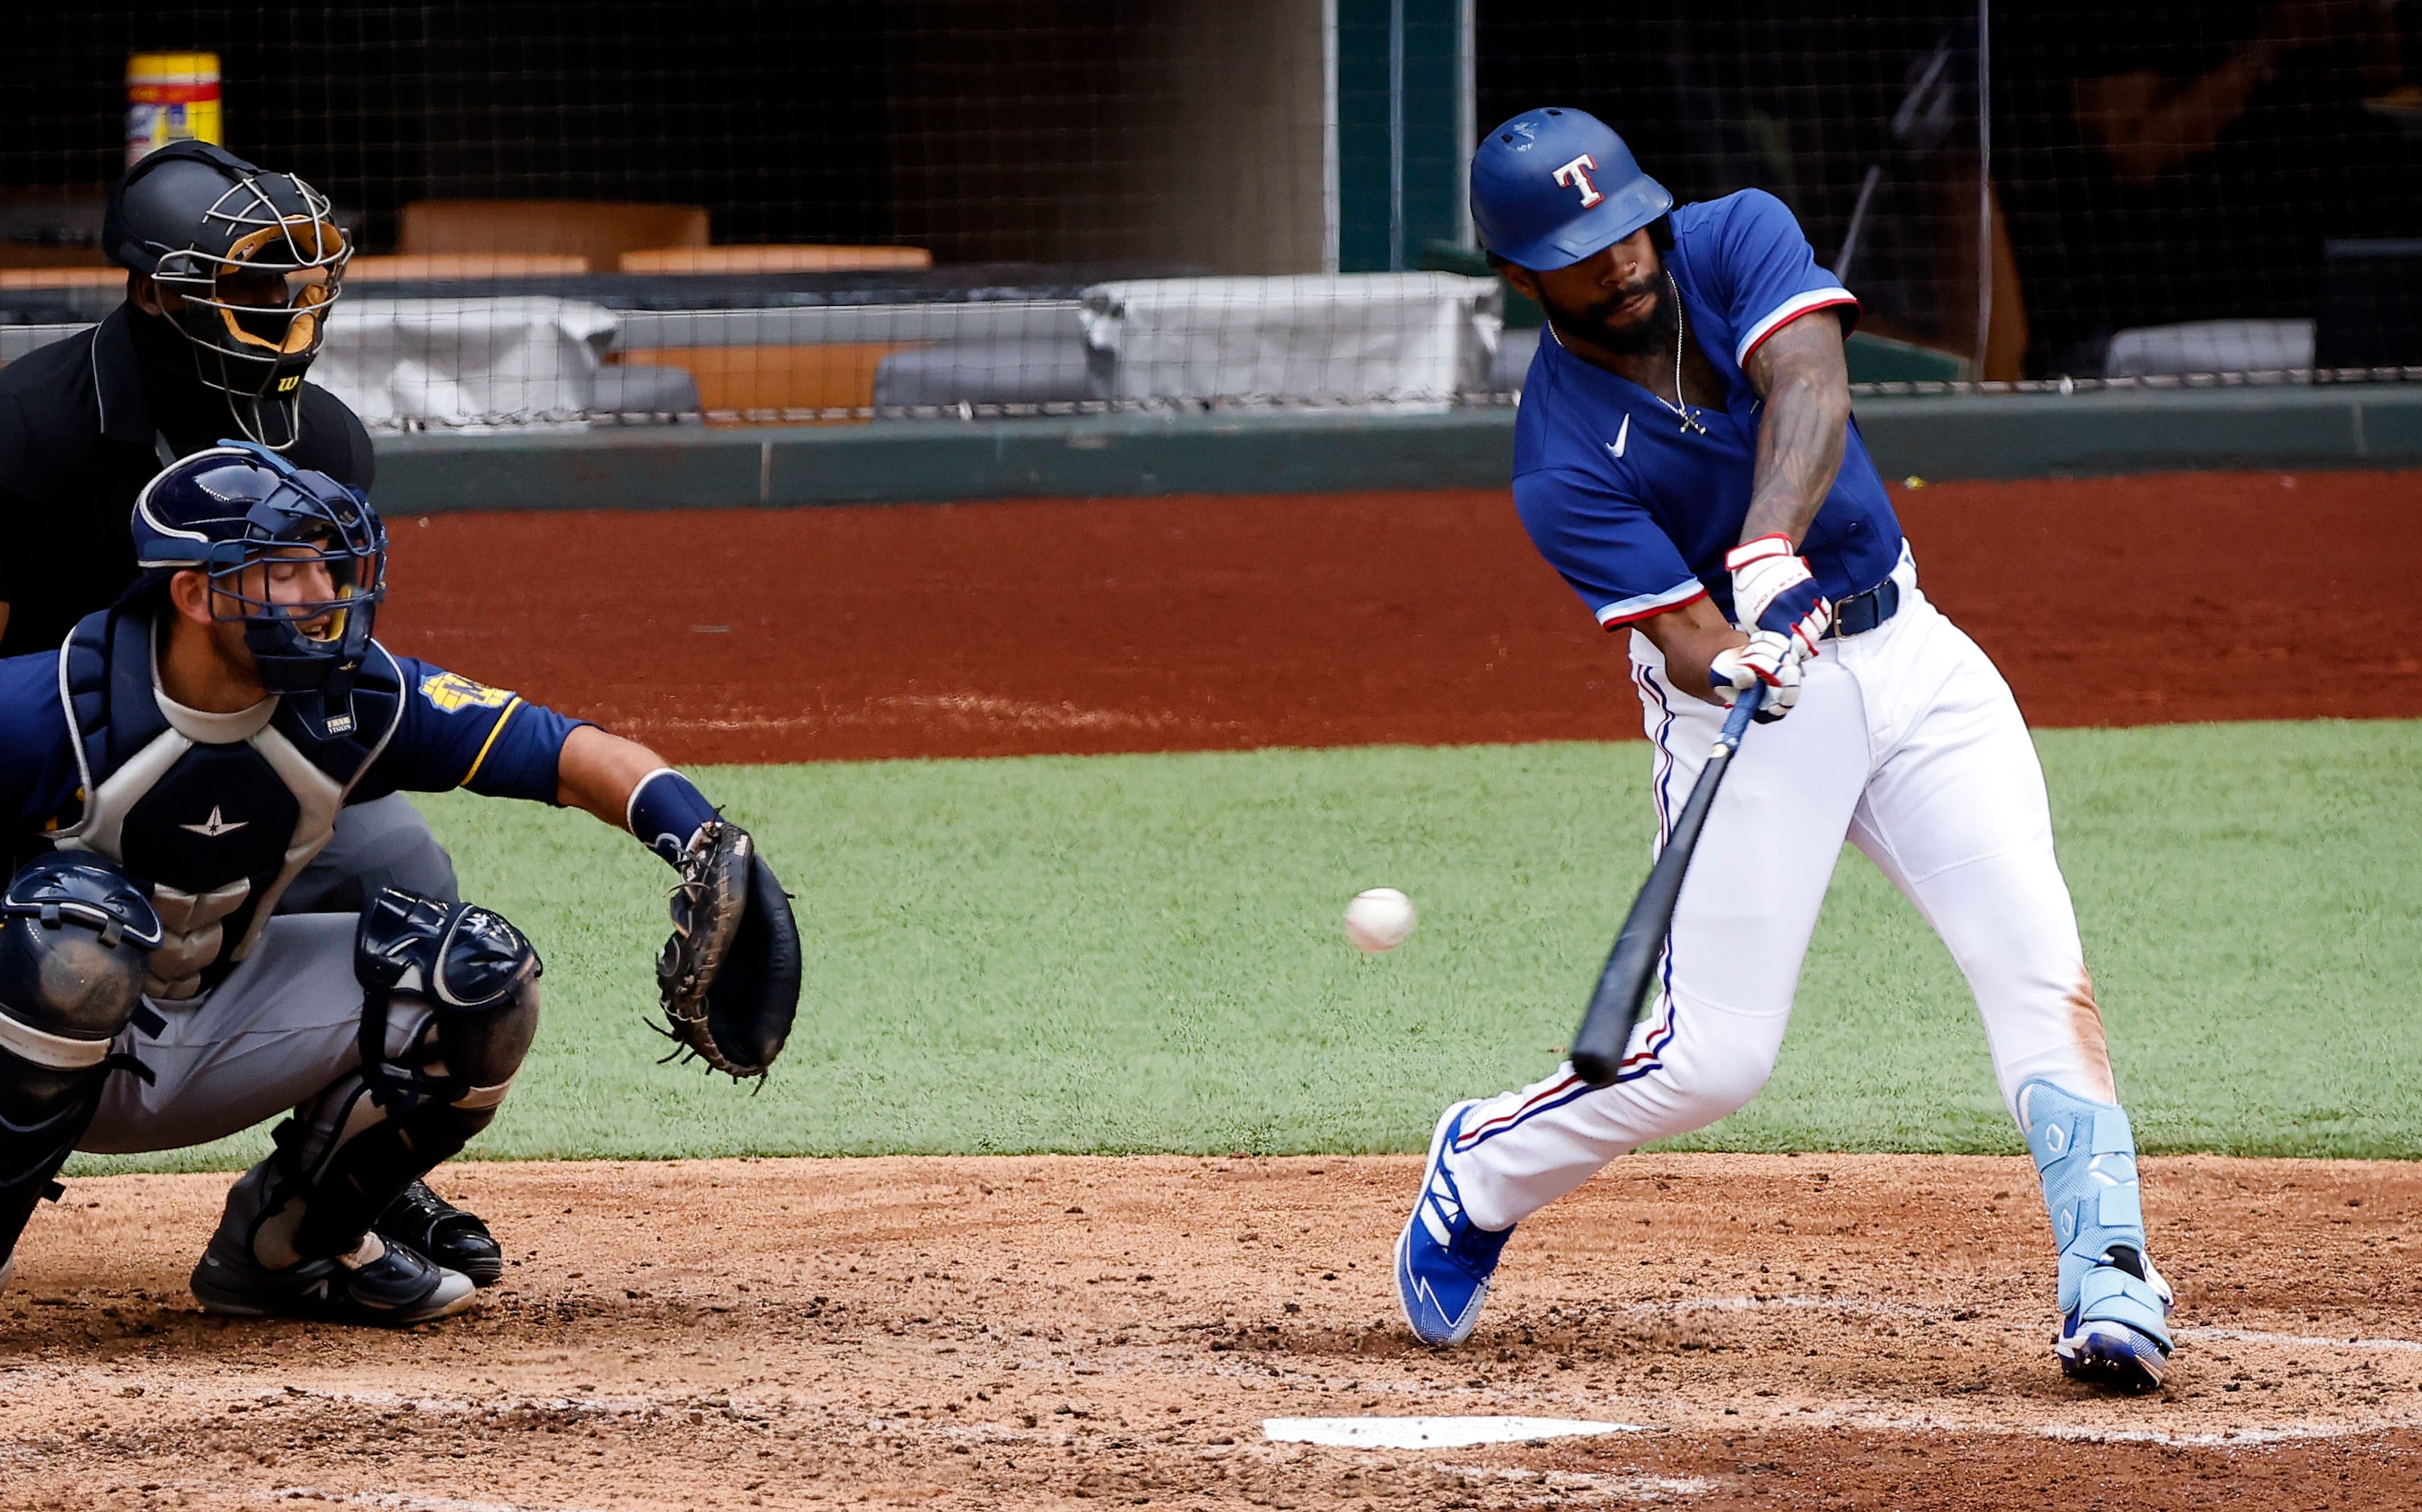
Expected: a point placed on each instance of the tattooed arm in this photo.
(1801, 373)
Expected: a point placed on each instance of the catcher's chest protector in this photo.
(214, 812)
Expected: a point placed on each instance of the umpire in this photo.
(231, 273)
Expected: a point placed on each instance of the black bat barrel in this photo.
(1632, 966)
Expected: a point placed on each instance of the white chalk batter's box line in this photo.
(1415, 1434)
(407, 1502)
(2302, 1341)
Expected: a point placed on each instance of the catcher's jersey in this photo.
(1636, 512)
(217, 813)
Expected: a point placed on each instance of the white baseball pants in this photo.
(1906, 742)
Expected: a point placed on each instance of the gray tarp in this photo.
(1338, 338)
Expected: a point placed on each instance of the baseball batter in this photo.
(1684, 457)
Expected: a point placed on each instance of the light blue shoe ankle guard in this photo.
(2115, 1306)
(2085, 1151)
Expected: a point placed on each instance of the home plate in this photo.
(1432, 1432)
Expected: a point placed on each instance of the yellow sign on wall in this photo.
(170, 97)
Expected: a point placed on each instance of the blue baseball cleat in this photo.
(1443, 1260)
(2118, 1333)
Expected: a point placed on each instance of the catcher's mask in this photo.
(254, 259)
(296, 556)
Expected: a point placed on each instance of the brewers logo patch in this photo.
(449, 693)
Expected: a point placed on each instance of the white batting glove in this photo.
(1773, 590)
(1769, 658)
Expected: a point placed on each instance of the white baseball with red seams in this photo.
(1378, 918)
(1906, 743)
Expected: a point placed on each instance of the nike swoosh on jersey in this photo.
(1622, 437)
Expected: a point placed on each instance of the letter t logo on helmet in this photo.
(1578, 172)
(1528, 174)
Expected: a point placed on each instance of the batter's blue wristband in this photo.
(666, 811)
(1790, 606)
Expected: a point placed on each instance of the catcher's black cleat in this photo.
(382, 1283)
(455, 1239)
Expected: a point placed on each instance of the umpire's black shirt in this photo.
(85, 423)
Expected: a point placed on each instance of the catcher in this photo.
(165, 776)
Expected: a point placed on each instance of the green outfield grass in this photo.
(1142, 954)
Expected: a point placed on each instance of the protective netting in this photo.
(833, 212)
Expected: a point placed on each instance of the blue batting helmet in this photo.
(1553, 187)
(239, 505)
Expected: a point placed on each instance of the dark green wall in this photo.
(1433, 134)
(2021, 435)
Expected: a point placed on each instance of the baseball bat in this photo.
(1614, 1007)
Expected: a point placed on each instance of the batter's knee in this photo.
(1714, 1074)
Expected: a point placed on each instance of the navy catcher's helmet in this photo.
(239, 507)
(195, 216)
(1552, 187)
(73, 983)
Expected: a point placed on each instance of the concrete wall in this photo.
(2032, 436)
(1227, 104)
(1171, 132)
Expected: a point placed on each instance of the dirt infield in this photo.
(1209, 624)
(1818, 1332)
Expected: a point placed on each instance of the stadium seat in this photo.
(438, 265)
(85, 277)
(947, 373)
(599, 230)
(759, 383)
(646, 388)
(793, 258)
(2209, 346)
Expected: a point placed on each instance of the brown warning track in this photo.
(1827, 1331)
(1316, 620)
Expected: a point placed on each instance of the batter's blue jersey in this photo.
(1636, 512)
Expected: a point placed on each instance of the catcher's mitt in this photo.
(730, 970)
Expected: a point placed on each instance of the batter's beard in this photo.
(1644, 338)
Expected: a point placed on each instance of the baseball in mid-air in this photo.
(1378, 919)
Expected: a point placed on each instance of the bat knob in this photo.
(1597, 1067)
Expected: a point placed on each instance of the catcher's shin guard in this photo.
(2115, 1306)
(74, 935)
(43, 1110)
(343, 1161)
